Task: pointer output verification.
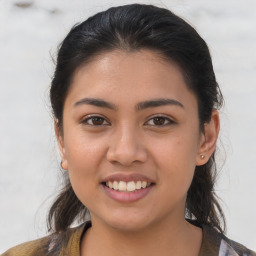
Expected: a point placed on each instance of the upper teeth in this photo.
(127, 186)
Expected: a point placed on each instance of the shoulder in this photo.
(53, 244)
(228, 245)
(37, 247)
(218, 244)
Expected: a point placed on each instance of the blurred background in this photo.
(30, 31)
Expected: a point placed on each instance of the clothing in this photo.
(213, 244)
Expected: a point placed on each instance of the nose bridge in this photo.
(126, 145)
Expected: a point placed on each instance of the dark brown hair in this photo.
(131, 28)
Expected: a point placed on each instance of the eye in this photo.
(159, 121)
(95, 121)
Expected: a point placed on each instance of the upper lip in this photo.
(127, 177)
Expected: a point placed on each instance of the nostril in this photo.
(126, 151)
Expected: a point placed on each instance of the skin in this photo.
(127, 140)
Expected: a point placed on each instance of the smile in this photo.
(127, 188)
(130, 186)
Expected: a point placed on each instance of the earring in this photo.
(61, 165)
(202, 156)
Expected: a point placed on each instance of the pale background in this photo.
(29, 172)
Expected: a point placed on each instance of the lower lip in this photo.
(127, 197)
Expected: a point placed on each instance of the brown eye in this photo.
(159, 121)
(95, 121)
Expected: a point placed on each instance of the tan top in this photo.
(68, 244)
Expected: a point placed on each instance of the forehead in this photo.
(124, 76)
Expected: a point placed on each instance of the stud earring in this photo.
(202, 156)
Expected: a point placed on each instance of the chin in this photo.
(129, 226)
(126, 220)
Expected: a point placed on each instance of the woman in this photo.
(135, 101)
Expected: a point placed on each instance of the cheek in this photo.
(84, 156)
(177, 150)
(82, 149)
(175, 157)
(82, 169)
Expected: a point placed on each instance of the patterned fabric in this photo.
(68, 244)
(216, 244)
(226, 249)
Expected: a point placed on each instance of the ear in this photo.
(60, 140)
(208, 139)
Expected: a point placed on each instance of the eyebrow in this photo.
(140, 106)
(157, 103)
(96, 102)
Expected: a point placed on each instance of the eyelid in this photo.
(168, 118)
(90, 116)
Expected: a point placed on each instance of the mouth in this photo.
(130, 186)
(127, 188)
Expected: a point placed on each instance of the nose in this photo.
(126, 147)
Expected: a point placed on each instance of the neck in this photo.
(162, 239)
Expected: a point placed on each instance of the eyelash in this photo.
(167, 121)
(90, 118)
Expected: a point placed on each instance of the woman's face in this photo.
(129, 121)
